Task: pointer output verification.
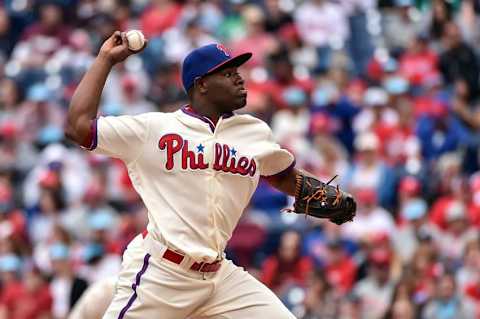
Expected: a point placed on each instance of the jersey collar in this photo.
(187, 109)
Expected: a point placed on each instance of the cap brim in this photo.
(235, 61)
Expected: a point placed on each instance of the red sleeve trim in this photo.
(91, 141)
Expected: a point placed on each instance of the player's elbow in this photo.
(70, 132)
(77, 130)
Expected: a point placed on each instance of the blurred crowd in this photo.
(382, 93)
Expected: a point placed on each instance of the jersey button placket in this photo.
(215, 187)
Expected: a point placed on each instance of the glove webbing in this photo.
(321, 195)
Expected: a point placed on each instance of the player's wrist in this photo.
(105, 59)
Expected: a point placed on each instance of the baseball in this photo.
(135, 39)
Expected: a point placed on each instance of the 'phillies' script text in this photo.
(225, 158)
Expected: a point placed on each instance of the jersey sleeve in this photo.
(120, 136)
(274, 160)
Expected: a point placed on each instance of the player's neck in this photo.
(205, 110)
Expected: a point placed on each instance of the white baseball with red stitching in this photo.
(136, 40)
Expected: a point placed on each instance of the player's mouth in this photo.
(243, 92)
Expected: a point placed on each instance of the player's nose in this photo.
(239, 80)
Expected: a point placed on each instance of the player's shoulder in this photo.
(138, 117)
(251, 122)
(154, 117)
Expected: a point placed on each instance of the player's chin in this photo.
(240, 102)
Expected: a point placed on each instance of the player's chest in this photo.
(174, 152)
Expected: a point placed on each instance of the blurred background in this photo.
(382, 93)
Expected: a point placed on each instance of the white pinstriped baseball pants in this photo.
(149, 287)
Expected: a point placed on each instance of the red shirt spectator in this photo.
(284, 78)
(342, 274)
(159, 17)
(50, 33)
(439, 211)
(275, 272)
(340, 270)
(473, 291)
(418, 63)
(287, 266)
(28, 300)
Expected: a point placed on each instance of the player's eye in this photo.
(228, 74)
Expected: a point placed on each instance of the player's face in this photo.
(226, 90)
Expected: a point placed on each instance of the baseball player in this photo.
(195, 169)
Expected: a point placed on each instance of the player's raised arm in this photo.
(85, 101)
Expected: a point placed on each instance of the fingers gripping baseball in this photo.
(116, 48)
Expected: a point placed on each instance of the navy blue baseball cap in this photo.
(206, 60)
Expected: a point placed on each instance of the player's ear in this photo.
(201, 84)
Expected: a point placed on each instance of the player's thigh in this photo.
(147, 288)
(239, 295)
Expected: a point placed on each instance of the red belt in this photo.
(178, 258)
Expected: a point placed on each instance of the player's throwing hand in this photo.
(115, 49)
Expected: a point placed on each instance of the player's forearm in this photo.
(285, 183)
(86, 99)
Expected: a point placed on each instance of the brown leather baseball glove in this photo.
(321, 200)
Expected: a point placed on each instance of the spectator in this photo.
(375, 291)
(402, 306)
(457, 234)
(400, 18)
(283, 78)
(415, 228)
(30, 299)
(49, 209)
(66, 287)
(322, 25)
(181, 40)
(360, 44)
(276, 18)
(369, 171)
(447, 303)
(288, 266)
(208, 15)
(327, 99)
(159, 16)
(10, 29)
(376, 111)
(419, 62)
(340, 268)
(262, 44)
(164, 90)
(438, 132)
(424, 270)
(441, 15)
(332, 157)
(290, 125)
(13, 224)
(320, 301)
(101, 255)
(371, 218)
(467, 276)
(459, 61)
(41, 39)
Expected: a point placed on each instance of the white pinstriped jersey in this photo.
(195, 177)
